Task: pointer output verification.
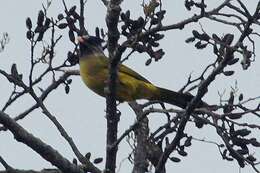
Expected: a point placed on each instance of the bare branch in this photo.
(112, 17)
(105, 2)
(46, 151)
(5, 164)
(44, 94)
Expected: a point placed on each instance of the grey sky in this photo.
(82, 112)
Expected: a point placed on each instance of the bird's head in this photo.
(90, 45)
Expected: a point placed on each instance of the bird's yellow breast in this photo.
(94, 74)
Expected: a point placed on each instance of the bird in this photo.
(130, 85)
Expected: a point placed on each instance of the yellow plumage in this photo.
(130, 85)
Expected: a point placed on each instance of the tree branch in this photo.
(44, 150)
(203, 88)
(112, 17)
(140, 153)
(44, 94)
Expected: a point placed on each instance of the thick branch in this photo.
(31, 171)
(141, 133)
(113, 12)
(44, 150)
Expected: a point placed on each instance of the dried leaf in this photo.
(62, 25)
(228, 38)
(71, 36)
(29, 23)
(98, 160)
(175, 159)
(233, 61)
(228, 73)
(40, 18)
(60, 16)
(190, 39)
(148, 62)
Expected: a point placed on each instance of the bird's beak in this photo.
(81, 39)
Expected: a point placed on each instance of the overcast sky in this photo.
(82, 112)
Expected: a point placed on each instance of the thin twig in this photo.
(5, 164)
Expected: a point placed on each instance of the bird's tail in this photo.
(178, 99)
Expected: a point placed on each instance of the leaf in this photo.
(67, 89)
(190, 40)
(203, 36)
(160, 14)
(62, 25)
(88, 155)
(71, 36)
(251, 158)
(175, 159)
(158, 54)
(182, 153)
(254, 142)
(188, 4)
(242, 151)
(40, 36)
(234, 116)
(154, 21)
(123, 17)
(233, 61)
(158, 37)
(148, 62)
(139, 48)
(72, 9)
(69, 81)
(242, 132)
(98, 160)
(14, 71)
(195, 33)
(149, 9)
(228, 73)
(29, 23)
(187, 142)
(97, 32)
(102, 33)
(154, 44)
(240, 141)
(199, 123)
(127, 14)
(47, 22)
(216, 38)
(228, 39)
(215, 49)
(60, 16)
(140, 21)
(231, 99)
(240, 98)
(29, 35)
(200, 45)
(39, 29)
(40, 18)
(74, 161)
(72, 58)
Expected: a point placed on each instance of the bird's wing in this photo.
(124, 69)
